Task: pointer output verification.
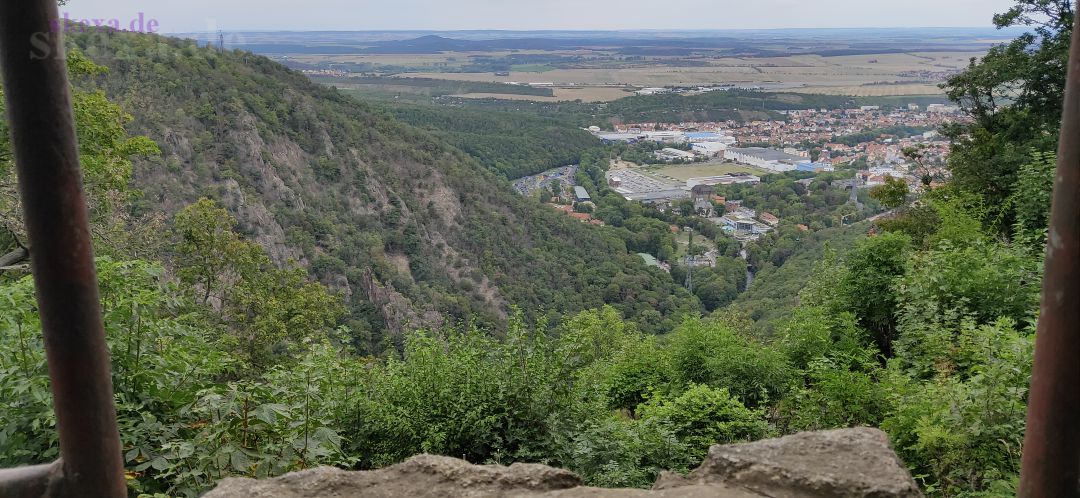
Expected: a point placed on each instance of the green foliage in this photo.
(775, 290)
(946, 286)
(715, 106)
(105, 154)
(961, 430)
(640, 368)
(208, 253)
(713, 354)
(702, 416)
(899, 131)
(181, 429)
(1031, 198)
(616, 452)
(834, 397)
(1014, 93)
(510, 144)
(265, 307)
(873, 267)
(892, 194)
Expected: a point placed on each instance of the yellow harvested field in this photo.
(812, 71)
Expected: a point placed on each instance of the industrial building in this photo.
(657, 196)
(814, 167)
(728, 179)
(581, 195)
(708, 136)
(665, 136)
(670, 154)
(709, 149)
(619, 137)
(770, 159)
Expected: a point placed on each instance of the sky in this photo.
(176, 16)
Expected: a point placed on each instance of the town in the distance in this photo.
(690, 159)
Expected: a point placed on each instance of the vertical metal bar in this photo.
(50, 183)
(1051, 460)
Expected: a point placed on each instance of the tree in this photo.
(868, 286)
(1014, 94)
(208, 255)
(105, 152)
(713, 354)
(892, 194)
(267, 309)
(703, 416)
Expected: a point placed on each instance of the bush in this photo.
(703, 416)
(713, 354)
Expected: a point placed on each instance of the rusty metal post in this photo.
(61, 257)
(1051, 460)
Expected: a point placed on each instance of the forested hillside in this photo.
(349, 192)
(511, 144)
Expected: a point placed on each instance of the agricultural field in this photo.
(584, 94)
(683, 172)
(863, 75)
(883, 90)
(600, 66)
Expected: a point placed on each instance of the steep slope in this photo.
(410, 228)
(511, 144)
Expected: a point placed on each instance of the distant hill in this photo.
(763, 43)
(409, 227)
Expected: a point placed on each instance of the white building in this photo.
(729, 179)
(668, 154)
(709, 149)
(665, 136)
(770, 159)
(933, 108)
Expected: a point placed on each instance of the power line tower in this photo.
(689, 262)
(221, 42)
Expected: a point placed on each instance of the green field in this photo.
(682, 243)
(531, 68)
(683, 172)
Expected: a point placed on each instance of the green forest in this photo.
(291, 277)
(510, 144)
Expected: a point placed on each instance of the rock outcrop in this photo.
(841, 463)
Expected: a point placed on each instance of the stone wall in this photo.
(845, 463)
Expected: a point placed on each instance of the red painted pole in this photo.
(61, 257)
(1051, 461)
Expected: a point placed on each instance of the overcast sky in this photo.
(210, 15)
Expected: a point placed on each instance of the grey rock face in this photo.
(845, 463)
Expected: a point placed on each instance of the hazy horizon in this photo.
(553, 15)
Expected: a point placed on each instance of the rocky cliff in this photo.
(846, 463)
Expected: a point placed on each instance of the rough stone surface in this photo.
(841, 463)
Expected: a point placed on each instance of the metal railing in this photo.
(61, 259)
(1050, 466)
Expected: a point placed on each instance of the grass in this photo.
(682, 240)
(685, 172)
(585, 94)
(531, 68)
